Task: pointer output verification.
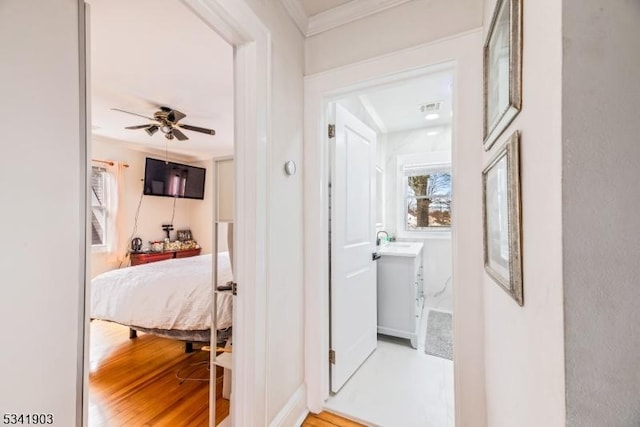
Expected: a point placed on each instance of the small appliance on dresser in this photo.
(136, 245)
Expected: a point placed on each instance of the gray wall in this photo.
(601, 223)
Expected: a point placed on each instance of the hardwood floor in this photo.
(134, 383)
(327, 419)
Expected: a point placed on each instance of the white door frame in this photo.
(236, 22)
(464, 52)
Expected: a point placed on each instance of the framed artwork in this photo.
(502, 222)
(184, 235)
(502, 70)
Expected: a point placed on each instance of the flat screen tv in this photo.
(170, 179)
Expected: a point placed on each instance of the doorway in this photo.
(154, 134)
(460, 54)
(408, 243)
(249, 39)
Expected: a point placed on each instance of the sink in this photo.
(400, 248)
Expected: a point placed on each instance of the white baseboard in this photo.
(294, 412)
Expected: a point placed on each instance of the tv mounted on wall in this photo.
(170, 179)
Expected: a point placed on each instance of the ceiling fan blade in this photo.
(138, 126)
(135, 114)
(178, 134)
(175, 116)
(197, 129)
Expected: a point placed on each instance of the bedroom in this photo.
(165, 57)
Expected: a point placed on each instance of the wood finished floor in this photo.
(133, 382)
(326, 419)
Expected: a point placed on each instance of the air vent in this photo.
(431, 107)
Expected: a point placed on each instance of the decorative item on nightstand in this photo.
(167, 229)
(157, 246)
(184, 235)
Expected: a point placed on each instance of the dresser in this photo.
(138, 258)
(400, 290)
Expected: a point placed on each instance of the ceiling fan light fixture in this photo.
(166, 121)
(151, 130)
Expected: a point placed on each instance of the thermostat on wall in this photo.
(290, 167)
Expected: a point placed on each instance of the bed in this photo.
(170, 298)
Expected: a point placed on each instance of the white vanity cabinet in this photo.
(400, 290)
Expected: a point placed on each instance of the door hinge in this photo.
(234, 288)
(332, 131)
(332, 357)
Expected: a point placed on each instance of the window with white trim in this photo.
(99, 207)
(427, 197)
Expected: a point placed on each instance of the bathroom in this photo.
(412, 119)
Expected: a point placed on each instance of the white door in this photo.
(353, 271)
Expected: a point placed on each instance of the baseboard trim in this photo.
(294, 411)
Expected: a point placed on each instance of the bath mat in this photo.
(439, 342)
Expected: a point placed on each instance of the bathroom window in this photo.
(427, 197)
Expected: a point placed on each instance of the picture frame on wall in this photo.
(502, 70)
(502, 219)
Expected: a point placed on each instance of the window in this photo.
(99, 210)
(427, 197)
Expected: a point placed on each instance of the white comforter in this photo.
(171, 294)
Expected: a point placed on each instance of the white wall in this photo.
(285, 364)
(409, 24)
(437, 255)
(41, 264)
(524, 345)
(196, 215)
(601, 164)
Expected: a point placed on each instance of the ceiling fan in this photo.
(166, 121)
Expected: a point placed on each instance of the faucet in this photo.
(378, 236)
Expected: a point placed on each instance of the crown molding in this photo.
(348, 12)
(297, 13)
(332, 18)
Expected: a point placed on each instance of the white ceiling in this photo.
(314, 7)
(151, 53)
(396, 107)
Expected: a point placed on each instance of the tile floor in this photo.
(399, 386)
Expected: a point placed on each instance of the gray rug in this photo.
(438, 342)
